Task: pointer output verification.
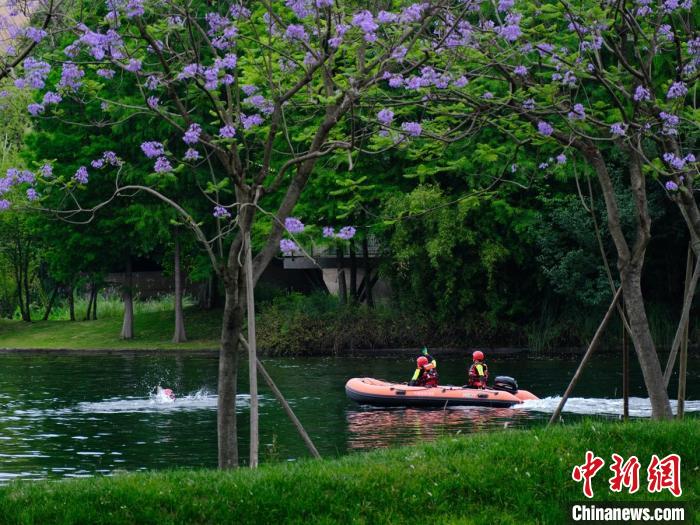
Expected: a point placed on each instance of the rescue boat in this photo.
(370, 391)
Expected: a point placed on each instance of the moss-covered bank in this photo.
(507, 477)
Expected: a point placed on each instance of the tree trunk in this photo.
(644, 344)
(353, 273)
(252, 352)
(88, 309)
(27, 298)
(94, 291)
(127, 294)
(630, 264)
(17, 264)
(232, 324)
(179, 336)
(71, 302)
(368, 273)
(342, 286)
(49, 307)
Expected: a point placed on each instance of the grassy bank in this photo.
(505, 477)
(152, 329)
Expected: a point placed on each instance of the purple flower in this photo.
(191, 154)
(488, 95)
(669, 123)
(227, 131)
(134, 8)
(385, 117)
(220, 212)
(35, 34)
(287, 246)
(35, 109)
(545, 128)
(134, 65)
(162, 165)
(105, 73)
(32, 194)
(97, 163)
(152, 149)
(296, 32)
(4, 204)
(293, 225)
(529, 104)
(413, 13)
(619, 129)
(152, 102)
(51, 98)
(385, 17)
(561, 159)
(673, 161)
(249, 89)
(505, 5)
(191, 136)
(543, 165)
(260, 102)
(328, 232)
(46, 171)
(413, 129)
(460, 82)
(111, 158)
(578, 112)
(666, 32)
(346, 233)
(399, 53)
(677, 90)
(365, 21)
(641, 93)
(520, 71)
(70, 76)
(189, 71)
(250, 121)
(81, 175)
(671, 186)
(396, 81)
(689, 158)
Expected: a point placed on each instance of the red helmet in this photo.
(421, 361)
(478, 355)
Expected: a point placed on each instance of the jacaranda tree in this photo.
(259, 92)
(585, 80)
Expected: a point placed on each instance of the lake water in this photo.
(63, 417)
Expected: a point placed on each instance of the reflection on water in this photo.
(381, 428)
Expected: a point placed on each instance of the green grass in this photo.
(509, 477)
(152, 329)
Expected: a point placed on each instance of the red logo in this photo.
(665, 474)
(587, 471)
(661, 474)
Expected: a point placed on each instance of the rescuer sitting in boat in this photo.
(478, 372)
(425, 374)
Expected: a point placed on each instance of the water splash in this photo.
(638, 406)
(160, 402)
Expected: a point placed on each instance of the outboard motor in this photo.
(505, 383)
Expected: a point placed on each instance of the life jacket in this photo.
(478, 374)
(428, 376)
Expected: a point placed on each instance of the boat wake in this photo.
(638, 406)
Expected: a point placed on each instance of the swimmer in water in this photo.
(167, 392)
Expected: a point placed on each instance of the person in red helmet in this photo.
(478, 372)
(425, 374)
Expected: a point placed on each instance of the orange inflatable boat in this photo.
(369, 391)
